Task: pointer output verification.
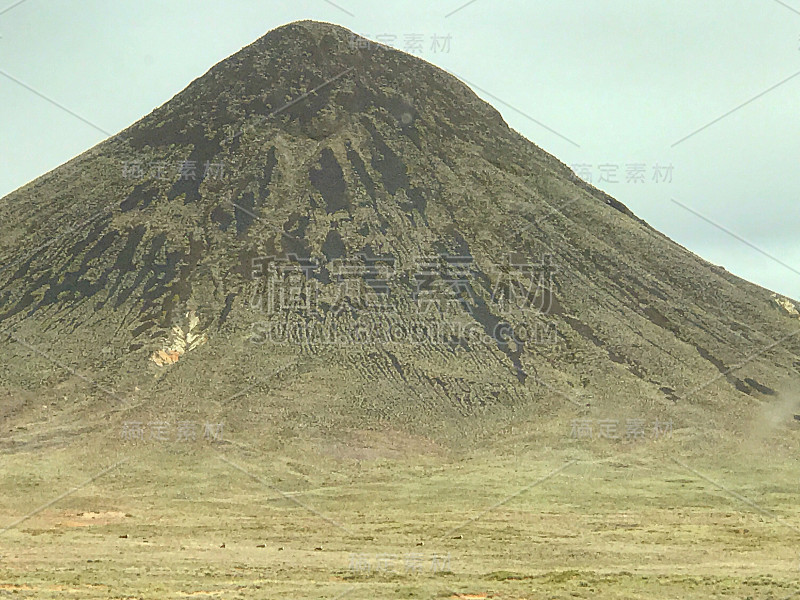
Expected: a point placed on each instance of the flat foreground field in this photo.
(400, 520)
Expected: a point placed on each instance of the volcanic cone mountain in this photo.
(346, 233)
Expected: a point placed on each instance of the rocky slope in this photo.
(358, 237)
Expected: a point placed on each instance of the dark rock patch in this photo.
(333, 247)
(245, 212)
(759, 387)
(328, 179)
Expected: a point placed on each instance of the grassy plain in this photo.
(523, 514)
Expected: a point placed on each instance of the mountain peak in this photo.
(289, 74)
(307, 190)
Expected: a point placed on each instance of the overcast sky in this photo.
(687, 112)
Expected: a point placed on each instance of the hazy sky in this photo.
(614, 86)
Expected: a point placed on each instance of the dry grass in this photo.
(387, 519)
